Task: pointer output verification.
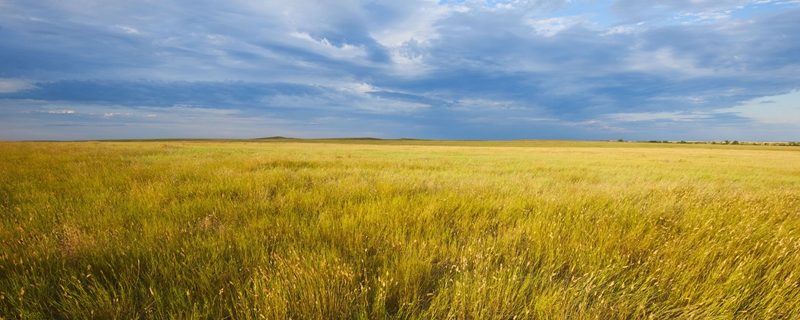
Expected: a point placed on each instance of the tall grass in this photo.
(388, 230)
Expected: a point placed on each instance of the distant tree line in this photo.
(726, 142)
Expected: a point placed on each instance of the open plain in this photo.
(400, 229)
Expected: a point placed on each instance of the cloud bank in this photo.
(470, 69)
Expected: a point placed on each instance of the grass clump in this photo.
(398, 230)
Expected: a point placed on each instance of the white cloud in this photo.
(484, 104)
(324, 46)
(410, 34)
(552, 26)
(652, 116)
(627, 29)
(418, 25)
(536, 119)
(387, 106)
(700, 17)
(772, 116)
(14, 85)
(360, 88)
(665, 60)
(116, 114)
(128, 30)
(594, 125)
(780, 109)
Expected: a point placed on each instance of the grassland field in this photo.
(363, 229)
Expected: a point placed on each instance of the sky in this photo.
(430, 69)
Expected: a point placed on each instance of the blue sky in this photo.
(498, 69)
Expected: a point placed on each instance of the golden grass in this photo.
(398, 229)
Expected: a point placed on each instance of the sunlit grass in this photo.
(398, 229)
